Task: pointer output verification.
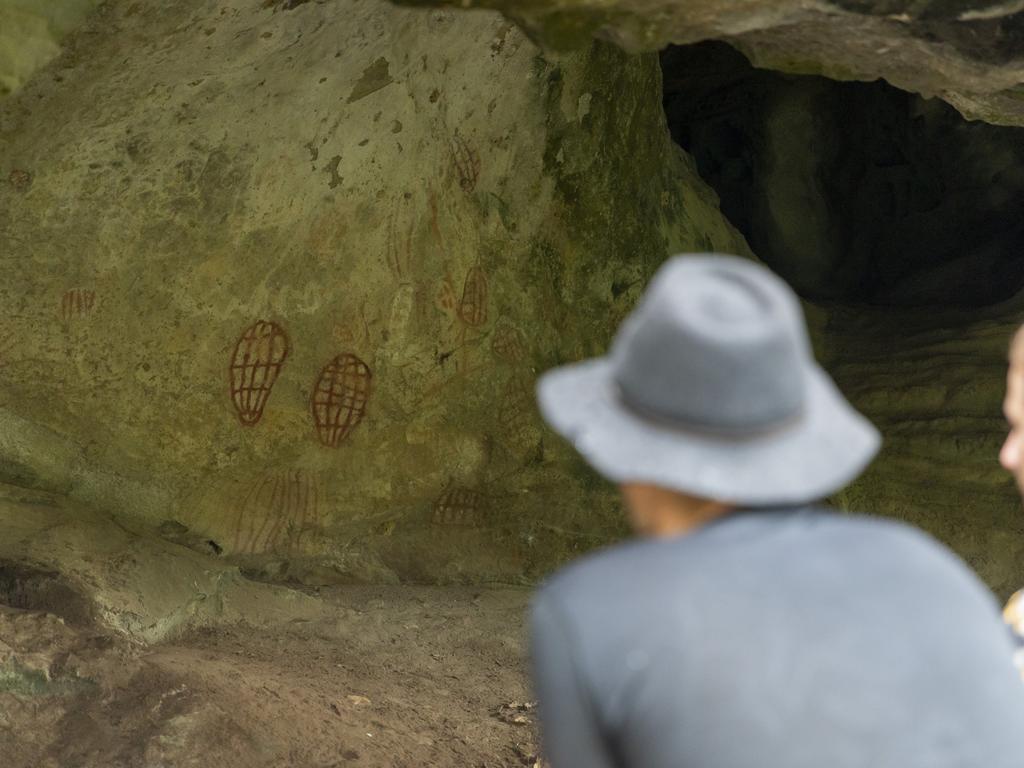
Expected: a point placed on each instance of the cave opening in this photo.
(855, 192)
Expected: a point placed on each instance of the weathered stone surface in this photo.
(30, 35)
(89, 570)
(280, 279)
(968, 52)
(933, 382)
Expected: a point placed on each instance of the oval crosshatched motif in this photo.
(259, 354)
(473, 305)
(339, 398)
(459, 506)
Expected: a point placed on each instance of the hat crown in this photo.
(716, 343)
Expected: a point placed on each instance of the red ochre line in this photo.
(261, 542)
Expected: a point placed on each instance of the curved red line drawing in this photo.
(473, 304)
(76, 302)
(277, 511)
(508, 343)
(459, 506)
(517, 414)
(255, 364)
(466, 162)
(339, 398)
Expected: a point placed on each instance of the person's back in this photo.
(777, 639)
(752, 631)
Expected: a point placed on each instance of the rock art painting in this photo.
(256, 362)
(76, 303)
(465, 163)
(459, 506)
(358, 330)
(472, 307)
(398, 246)
(276, 511)
(508, 343)
(339, 398)
(469, 313)
(517, 414)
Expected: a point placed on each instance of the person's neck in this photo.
(670, 520)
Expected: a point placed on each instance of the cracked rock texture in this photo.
(278, 279)
(968, 52)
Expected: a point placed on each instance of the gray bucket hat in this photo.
(711, 388)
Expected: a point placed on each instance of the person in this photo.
(1011, 456)
(749, 626)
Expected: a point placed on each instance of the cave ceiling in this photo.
(968, 52)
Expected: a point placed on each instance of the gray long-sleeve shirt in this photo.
(776, 639)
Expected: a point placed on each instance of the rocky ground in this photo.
(122, 649)
(390, 676)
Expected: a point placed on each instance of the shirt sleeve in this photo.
(571, 732)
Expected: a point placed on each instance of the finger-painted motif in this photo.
(75, 303)
(472, 307)
(339, 398)
(277, 512)
(465, 163)
(256, 362)
(459, 506)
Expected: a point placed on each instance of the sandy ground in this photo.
(397, 676)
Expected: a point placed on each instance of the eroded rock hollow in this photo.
(900, 222)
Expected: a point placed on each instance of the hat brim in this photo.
(808, 458)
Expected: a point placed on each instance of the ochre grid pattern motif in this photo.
(473, 305)
(339, 398)
(459, 506)
(276, 511)
(466, 162)
(255, 364)
(77, 301)
(517, 414)
(508, 344)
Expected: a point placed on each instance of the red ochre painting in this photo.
(75, 303)
(472, 307)
(508, 343)
(255, 364)
(517, 414)
(277, 512)
(466, 163)
(339, 398)
(459, 506)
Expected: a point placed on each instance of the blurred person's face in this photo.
(1012, 454)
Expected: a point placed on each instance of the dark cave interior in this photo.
(855, 192)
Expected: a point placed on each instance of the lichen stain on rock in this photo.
(374, 77)
(331, 169)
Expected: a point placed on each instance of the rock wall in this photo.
(967, 52)
(30, 35)
(278, 279)
(933, 382)
(855, 192)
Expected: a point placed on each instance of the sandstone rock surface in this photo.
(281, 277)
(968, 52)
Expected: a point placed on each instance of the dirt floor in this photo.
(396, 676)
